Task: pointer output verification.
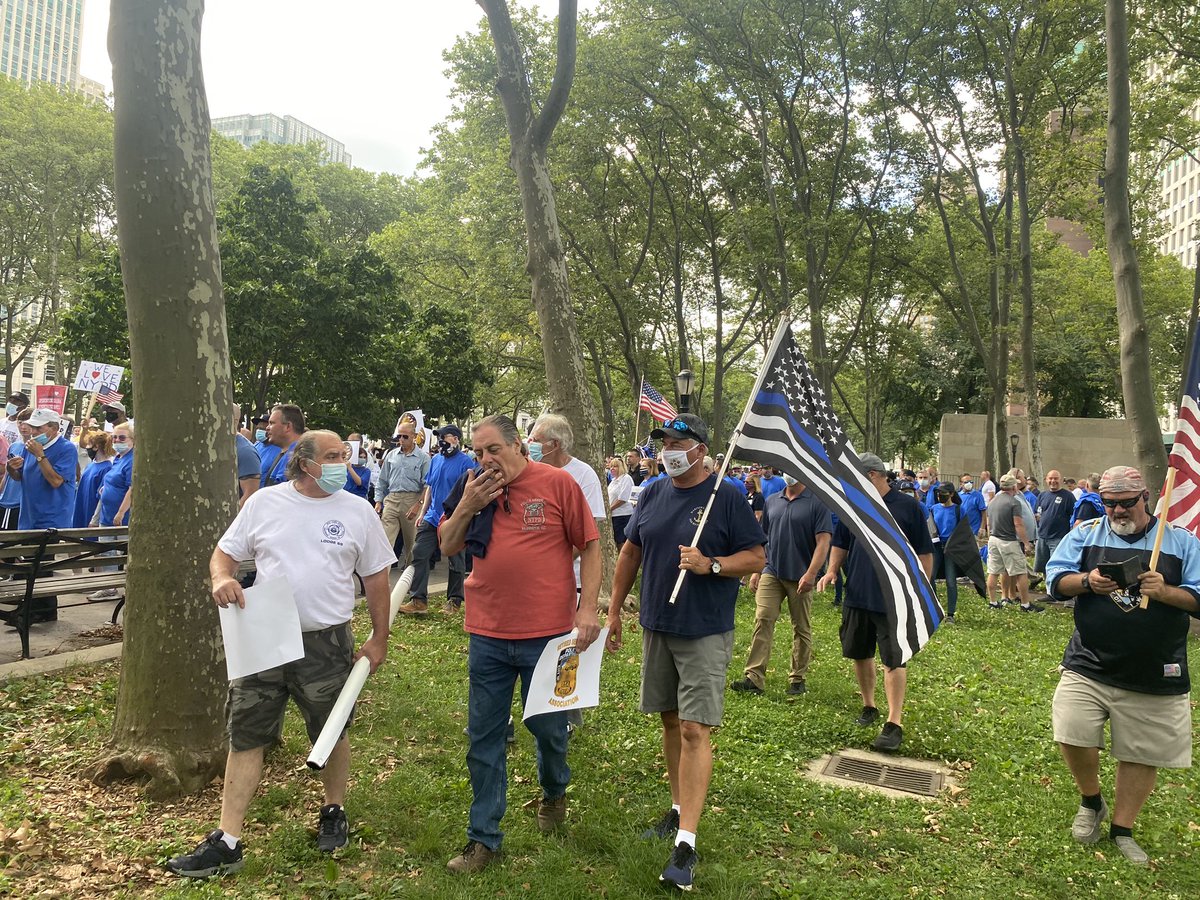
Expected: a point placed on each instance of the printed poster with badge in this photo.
(564, 678)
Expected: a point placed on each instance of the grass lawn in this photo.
(979, 700)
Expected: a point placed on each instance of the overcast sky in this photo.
(366, 72)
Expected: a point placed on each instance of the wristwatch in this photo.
(1087, 582)
(714, 566)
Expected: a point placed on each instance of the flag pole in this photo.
(785, 323)
(1163, 506)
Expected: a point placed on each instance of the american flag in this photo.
(1184, 510)
(791, 425)
(107, 395)
(652, 401)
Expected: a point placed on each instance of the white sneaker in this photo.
(106, 594)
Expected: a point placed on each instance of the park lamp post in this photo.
(1013, 440)
(685, 381)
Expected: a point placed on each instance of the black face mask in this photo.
(447, 448)
(91, 452)
(111, 416)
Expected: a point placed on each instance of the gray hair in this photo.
(556, 428)
(503, 424)
(306, 450)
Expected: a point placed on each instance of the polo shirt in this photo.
(792, 526)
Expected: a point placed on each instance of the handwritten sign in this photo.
(93, 376)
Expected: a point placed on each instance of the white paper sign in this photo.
(92, 376)
(564, 678)
(353, 449)
(265, 634)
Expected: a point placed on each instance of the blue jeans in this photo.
(943, 565)
(493, 667)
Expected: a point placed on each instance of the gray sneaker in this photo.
(1130, 850)
(1086, 827)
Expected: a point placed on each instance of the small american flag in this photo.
(652, 401)
(107, 395)
(1184, 511)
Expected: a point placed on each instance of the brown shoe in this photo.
(551, 813)
(414, 607)
(475, 857)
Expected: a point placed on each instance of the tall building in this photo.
(40, 40)
(1180, 182)
(249, 130)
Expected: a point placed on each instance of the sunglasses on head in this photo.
(678, 425)
(1129, 503)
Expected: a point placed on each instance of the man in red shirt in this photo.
(523, 522)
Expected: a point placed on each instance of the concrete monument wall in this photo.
(1075, 447)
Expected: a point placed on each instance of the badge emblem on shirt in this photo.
(1172, 670)
(1124, 601)
(334, 530)
(694, 518)
(534, 514)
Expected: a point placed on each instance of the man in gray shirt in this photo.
(1006, 554)
(399, 487)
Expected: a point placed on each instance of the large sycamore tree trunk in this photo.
(1141, 409)
(529, 132)
(169, 723)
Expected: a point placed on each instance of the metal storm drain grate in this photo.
(886, 775)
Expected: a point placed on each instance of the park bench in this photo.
(52, 562)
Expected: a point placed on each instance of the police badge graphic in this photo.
(534, 518)
(694, 518)
(334, 530)
(565, 672)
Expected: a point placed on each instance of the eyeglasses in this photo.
(1129, 503)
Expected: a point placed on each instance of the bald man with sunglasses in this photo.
(1124, 664)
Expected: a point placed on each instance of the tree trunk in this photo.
(1141, 409)
(169, 724)
(1025, 254)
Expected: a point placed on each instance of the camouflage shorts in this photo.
(254, 711)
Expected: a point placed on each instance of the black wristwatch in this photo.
(713, 566)
(1087, 582)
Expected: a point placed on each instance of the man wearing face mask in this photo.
(686, 645)
(317, 536)
(1124, 664)
(114, 415)
(46, 469)
(8, 427)
(444, 470)
(259, 424)
(973, 505)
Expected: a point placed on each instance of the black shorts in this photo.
(862, 631)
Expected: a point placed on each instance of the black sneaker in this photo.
(1032, 608)
(680, 867)
(211, 857)
(333, 831)
(746, 686)
(869, 716)
(797, 687)
(889, 739)
(664, 828)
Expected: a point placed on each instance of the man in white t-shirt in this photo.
(8, 425)
(987, 487)
(318, 537)
(554, 437)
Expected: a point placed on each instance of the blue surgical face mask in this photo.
(42, 439)
(260, 435)
(122, 449)
(535, 451)
(11, 409)
(333, 477)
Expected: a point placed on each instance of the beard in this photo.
(1123, 526)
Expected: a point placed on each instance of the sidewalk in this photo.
(83, 634)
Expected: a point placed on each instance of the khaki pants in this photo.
(396, 522)
(769, 603)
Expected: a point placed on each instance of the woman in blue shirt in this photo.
(115, 495)
(946, 512)
(99, 447)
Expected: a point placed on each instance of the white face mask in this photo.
(676, 462)
(924, 482)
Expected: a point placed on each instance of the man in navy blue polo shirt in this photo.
(46, 470)
(1053, 508)
(798, 528)
(686, 645)
(864, 618)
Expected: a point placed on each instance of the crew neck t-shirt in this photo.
(525, 586)
(1054, 513)
(666, 518)
(862, 583)
(317, 544)
(43, 506)
(1001, 511)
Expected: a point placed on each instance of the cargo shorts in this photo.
(254, 710)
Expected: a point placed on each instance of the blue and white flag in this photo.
(790, 424)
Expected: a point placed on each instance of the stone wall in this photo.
(1073, 446)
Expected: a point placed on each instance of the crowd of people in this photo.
(517, 518)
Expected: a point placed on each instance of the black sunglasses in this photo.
(1129, 503)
